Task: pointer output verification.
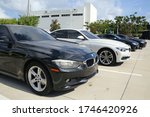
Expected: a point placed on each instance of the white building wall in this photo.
(75, 18)
(93, 13)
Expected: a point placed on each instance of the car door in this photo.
(5, 48)
(10, 56)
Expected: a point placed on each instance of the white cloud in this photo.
(148, 17)
(52, 4)
(3, 14)
(17, 5)
(13, 7)
(107, 9)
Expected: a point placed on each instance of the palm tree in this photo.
(118, 20)
(87, 25)
(54, 25)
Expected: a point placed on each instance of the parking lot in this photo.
(127, 81)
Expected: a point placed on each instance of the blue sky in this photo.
(140, 6)
(107, 9)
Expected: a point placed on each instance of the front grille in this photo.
(91, 62)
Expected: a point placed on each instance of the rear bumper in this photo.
(70, 80)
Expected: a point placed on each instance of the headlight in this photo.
(142, 41)
(122, 49)
(135, 43)
(67, 64)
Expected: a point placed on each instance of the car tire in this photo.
(38, 78)
(107, 57)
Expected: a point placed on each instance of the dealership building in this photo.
(70, 18)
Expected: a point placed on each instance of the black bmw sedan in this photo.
(142, 43)
(32, 55)
(134, 45)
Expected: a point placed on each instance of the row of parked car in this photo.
(110, 48)
(57, 61)
(131, 41)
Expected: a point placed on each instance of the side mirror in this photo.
(4, 39)
(80, 37)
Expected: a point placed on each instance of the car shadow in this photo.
(22, 86)
(14, 83)
(58, 93)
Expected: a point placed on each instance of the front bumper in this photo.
(70, 79)
(134, 47)
(142, 45)
(122, 56)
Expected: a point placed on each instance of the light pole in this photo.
(28, 8)
(117, 29)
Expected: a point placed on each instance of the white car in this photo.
(109, 51)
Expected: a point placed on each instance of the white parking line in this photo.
(125, 73)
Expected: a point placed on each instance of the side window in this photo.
(61, 34)
(109, 36)
(4, 34)
(114, 37)
(53, 34)
(72, 34)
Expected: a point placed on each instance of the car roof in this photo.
(70, 29)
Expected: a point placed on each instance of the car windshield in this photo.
(118, 37)
(122, 36)
(27, 33)
(89, 35)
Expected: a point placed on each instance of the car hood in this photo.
(108, 42)
(129, 41)
(138, 40)
(57, 49)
